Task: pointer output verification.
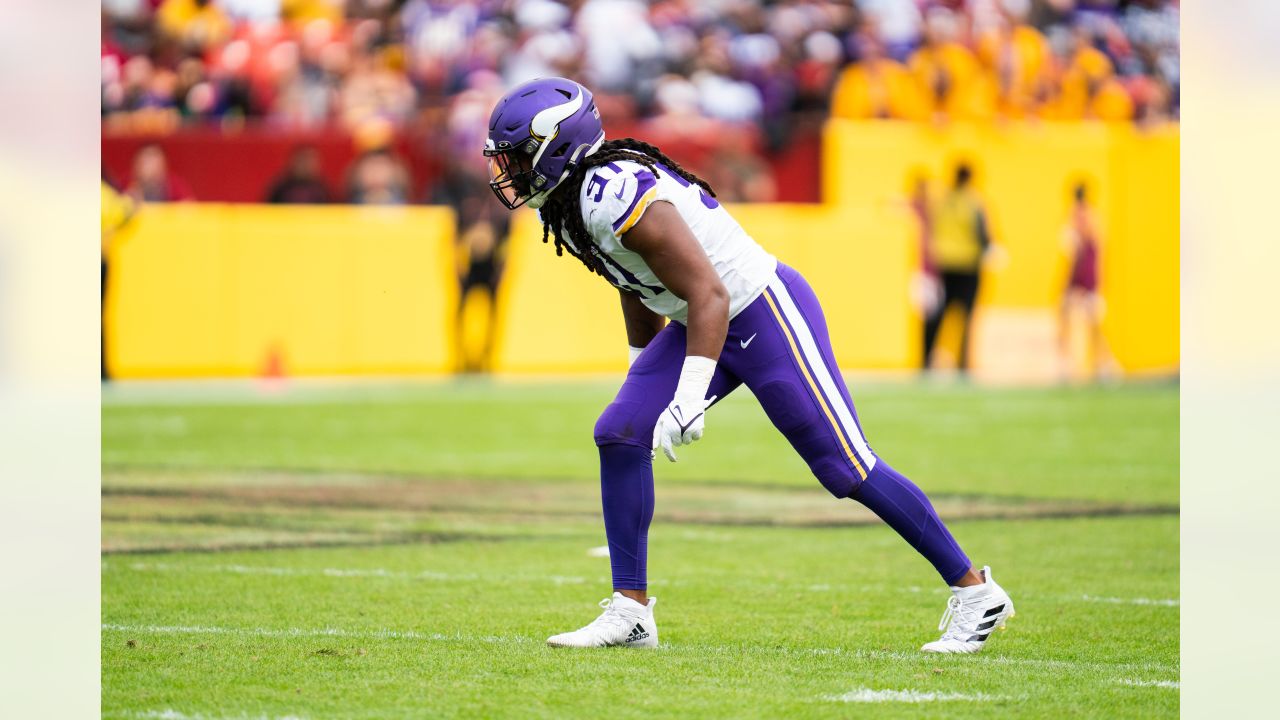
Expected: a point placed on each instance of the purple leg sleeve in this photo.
(624, 433)
(905, 508)
(626, 489)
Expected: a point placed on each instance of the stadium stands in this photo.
(746, 83)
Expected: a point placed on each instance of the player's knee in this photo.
(837, 477)
(620, 423)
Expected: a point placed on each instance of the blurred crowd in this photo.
(680, 66)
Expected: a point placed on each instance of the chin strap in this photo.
(538, 199)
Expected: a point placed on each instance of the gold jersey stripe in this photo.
(822, 400)
(634, 217)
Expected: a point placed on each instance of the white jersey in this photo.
(614, 197)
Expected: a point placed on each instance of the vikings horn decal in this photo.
(544, 123)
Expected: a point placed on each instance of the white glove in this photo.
(682, 421)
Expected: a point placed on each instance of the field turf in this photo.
(388, 551)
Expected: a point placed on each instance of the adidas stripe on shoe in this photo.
(972, 614)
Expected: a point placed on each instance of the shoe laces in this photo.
(612, 616)
(956, 617)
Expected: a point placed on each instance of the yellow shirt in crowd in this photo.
(1012, 74)
(1089, 89)
(193, 24)
(1016, 61)
(967, 94)
(878, 89)
(306, 10)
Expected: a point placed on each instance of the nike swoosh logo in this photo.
(745, 343)
(684, 427)
(620, 192)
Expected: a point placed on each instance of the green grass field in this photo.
(380, 551)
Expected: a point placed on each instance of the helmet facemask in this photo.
(511, 174)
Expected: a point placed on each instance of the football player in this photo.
(737, 316)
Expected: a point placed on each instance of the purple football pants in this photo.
(779, 348)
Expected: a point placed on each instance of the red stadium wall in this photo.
(239, 166)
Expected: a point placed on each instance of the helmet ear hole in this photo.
(560, 151)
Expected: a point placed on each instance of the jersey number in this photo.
(597, 184)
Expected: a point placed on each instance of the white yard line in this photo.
(168, 714)
(433, 575)
(1173, 602)
(327, 572)
(867, 695)
(984, 659)
(270, 632)
(1167, 684)
(380, 634)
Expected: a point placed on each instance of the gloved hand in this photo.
(680, 424)
(683, 420)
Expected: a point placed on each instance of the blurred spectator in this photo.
(720, 94)
(196, 24)
(376, 88)
(947, 72)
(378, 177)
(816, 74)
(482, 226)
(1152, 27)
(959, 240)
(308, 78)
(736, 171)
(926, 286)
(876, 87)
(897, 24)
(481, 233)
(152, 180)
(1050, 16)
(1015, 56)
(678, 110)
(1086, 72)
(302, 11)
(301, 182)
(620, 46)
(1082, 294)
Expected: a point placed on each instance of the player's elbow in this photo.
(718, 291)
(714, 296)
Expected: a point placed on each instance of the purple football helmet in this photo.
(538, 133)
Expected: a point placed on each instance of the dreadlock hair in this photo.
(562, 215)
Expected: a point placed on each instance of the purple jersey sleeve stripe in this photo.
(646, 182)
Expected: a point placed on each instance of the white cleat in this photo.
(624, 622)
(972, 614)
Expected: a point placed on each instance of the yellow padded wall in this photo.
(239, 290)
